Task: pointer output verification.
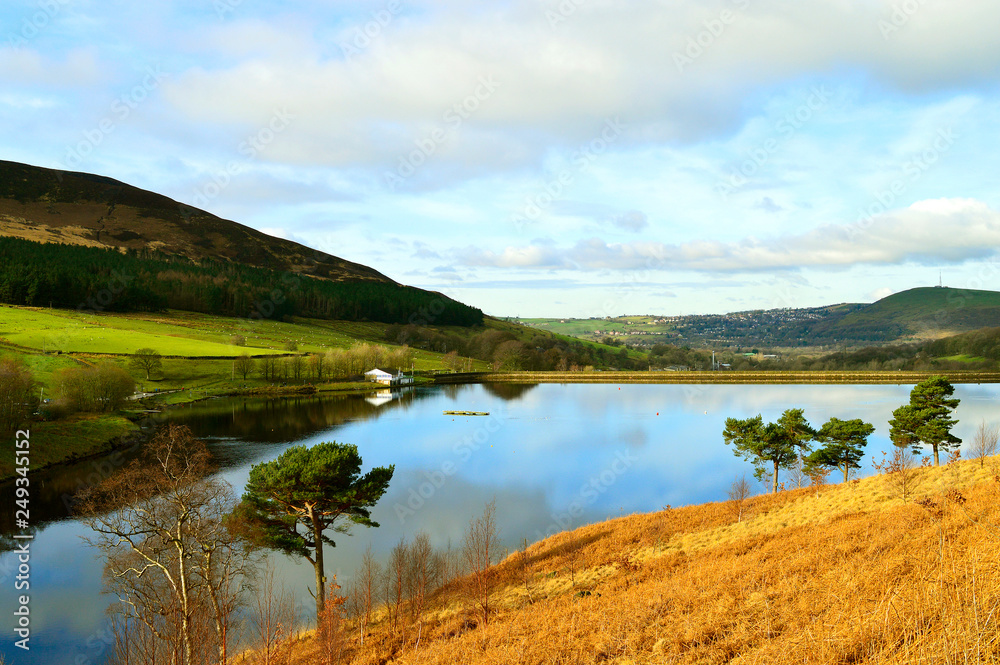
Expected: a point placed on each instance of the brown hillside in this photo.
(847, 573)
(81, 209)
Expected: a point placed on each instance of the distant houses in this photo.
(386, 379)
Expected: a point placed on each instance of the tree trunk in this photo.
(774, 485)
(936, 462)
(318, 566)
(847, 471)
(185, 605)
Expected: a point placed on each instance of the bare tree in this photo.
(147, 360)
(17, 394)
(298, 363)
(331, 630)
(171, 561)
(395, 582)
(269, 367)
(984, 443)
(243, 365)
(101, 388)
(273, 614)
(797, 475)
(366, 583)
(317, 365)
(480, 551)
(423, 572)
(523, 567)
(899, 470)
(739, 492)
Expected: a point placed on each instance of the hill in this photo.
(52, 206)
(74, 240)
(912, 315)
(852, 573)
(924, 313)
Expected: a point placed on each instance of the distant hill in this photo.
(45, 205)
(913, 315)
(928, 312)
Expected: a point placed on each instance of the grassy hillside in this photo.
(977, 350)
(198, 361)
(51, 206)
(851, 573)
(915, 314)
(926, 313)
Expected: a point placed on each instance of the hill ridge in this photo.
(47, 205)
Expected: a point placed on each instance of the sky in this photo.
(546, 157)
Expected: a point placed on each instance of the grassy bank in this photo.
(198, 353)
(849, 573)
(901, 378)
(70, 438)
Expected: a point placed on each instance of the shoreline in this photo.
(139, 436)
(625, 378)
(724, 377)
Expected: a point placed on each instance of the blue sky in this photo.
(546, 157)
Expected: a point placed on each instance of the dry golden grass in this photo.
(850, 573)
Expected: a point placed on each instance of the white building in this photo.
(386, 379)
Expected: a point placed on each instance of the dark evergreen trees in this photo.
(926, 420)
(777, 445)
(104, 280)
(292, 501)
(843, 447)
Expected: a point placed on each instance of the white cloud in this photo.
(946, 230)
(79, 68)
(605, 60)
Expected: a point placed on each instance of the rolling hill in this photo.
(926, 312)
(917, 314)
(74, 240)
(51, 206)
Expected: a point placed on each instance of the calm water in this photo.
(553, 456)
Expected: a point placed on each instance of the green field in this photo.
(598, 329)
(198, 361)
(70, 438)
(172, 334)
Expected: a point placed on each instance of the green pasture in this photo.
(68, 331)
(964, 358)
(173, 333)
(69, 438)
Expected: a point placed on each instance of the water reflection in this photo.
(553, 456)
(288, 419)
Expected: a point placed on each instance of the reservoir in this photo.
(553, 456)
